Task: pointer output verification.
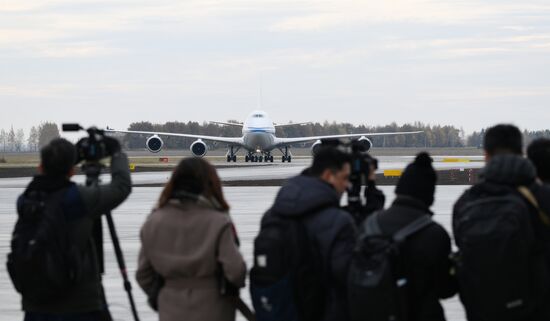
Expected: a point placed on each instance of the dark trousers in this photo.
(91, 316)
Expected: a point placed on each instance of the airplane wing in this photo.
(284, 141)
(227, 124)
(228, 140)
(292, 124)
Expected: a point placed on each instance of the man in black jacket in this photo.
(506, 170)
(425, 253)
(81, 205)
(318, 191)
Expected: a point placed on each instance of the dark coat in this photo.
(426, 256)
(332, 228)
(502, 175)
(83, 205)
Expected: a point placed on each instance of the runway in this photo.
(268, 171)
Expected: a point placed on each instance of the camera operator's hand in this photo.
(80, 146)
(372, 173)
(112, 145)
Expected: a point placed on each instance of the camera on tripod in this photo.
(92, 148)
(363, 166)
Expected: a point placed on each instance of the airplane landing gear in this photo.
(232, 154)
(253, 158)
(287, 157)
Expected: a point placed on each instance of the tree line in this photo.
(431, 136)
(15, 140)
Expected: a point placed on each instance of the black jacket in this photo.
(82, 205)
(504, 174)
(426, 259)
(332, 228)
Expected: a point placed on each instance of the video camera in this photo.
(92, 148)
(363, 165)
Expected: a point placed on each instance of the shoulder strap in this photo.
(412, 228)
(526, 192)
(369, 227)
(372, 227)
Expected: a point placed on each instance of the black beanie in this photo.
(418, 180)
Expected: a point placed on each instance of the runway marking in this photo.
(455, 160)
(393, 172)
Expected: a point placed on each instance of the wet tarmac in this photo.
(248, 204)
(267, 171)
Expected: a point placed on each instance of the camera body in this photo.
(91, 148)
(363, 165)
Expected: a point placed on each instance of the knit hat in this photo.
(418, 180)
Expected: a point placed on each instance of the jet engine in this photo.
(198, 148)
(315, 147)
(365, 143)
(154, 144)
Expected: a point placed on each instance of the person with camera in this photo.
(54, 261)
(303, 249)
(190, 243)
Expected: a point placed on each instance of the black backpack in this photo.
(43, 264)
(498, 266)
(286, 279)
(376, 279)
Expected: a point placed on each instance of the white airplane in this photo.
(258, 139)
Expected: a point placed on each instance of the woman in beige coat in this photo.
(190, 241)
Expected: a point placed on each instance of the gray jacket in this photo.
(83, 205)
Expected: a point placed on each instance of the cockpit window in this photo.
(258, 116)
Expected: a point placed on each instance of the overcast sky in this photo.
(466, 63)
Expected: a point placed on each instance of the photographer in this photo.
(307, 213)
(54, 262)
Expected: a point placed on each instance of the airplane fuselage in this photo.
(258, 133)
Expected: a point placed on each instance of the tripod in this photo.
(93, 170)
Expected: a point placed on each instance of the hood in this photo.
(303, 194)
(512, 170)
(48, 184)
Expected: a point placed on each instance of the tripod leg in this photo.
(121, 263)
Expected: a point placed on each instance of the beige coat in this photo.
(186, 243)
